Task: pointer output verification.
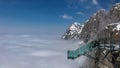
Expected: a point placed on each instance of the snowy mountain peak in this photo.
(76, 23)
(75, 26)
(73, 31)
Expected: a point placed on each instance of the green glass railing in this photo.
(72, 54)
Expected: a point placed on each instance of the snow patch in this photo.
(74, 26)
(117, 27)
(81, 29)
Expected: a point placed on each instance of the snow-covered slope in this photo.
(73, 31)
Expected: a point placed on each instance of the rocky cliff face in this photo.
(106, 27)
(95, 24)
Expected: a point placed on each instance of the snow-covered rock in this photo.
(73, 31)
(113, 26)
(117, 27)
(117, 6)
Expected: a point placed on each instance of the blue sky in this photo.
(46, 16)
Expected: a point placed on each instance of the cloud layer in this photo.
(34, 51)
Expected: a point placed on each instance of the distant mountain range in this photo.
(98, 22)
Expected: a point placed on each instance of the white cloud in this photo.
(65, 16)
(46, 53)
(80, 13)
(33, 51)
(95, 2)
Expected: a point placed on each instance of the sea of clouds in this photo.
(36, 51)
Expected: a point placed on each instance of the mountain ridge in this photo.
(97, 23)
